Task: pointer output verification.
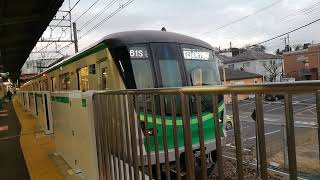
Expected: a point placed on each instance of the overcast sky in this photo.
(216, 22)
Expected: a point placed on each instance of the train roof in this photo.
(131, 37)
(150, 36)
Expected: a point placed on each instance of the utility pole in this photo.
(63, 24)
(289, 49)
(224, 74)
(286, 45)
(318, 49)
(75, 37)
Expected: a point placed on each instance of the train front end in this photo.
(158, 64)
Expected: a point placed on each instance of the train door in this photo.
(83, 78)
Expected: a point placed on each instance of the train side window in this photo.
(53, 84)
(45, 85)
(83, 78)
(40, 86)
(104, 78)
(64, 80)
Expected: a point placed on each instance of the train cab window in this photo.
(64, 80)
(201, 70)
(141, 66)
(83, 79)
(167, 55)
(201, 66)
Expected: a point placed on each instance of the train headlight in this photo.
(151, 132)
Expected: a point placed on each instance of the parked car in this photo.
(273, 97)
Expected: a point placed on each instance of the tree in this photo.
(279, 52)
(256, 47)
(274, 69)
(298, 47)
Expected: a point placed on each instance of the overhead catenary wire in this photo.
(74, 5)
(285, 19)
(244, 17)
(296, 29)
(56, 25)
(65, 46)
(98, 14)
(86, 10)
(107, 18)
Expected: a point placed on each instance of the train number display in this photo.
(138, 52)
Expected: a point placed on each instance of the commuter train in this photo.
(138, 60)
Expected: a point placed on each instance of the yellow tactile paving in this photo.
(36, 148)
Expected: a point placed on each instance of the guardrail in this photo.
(123, 137)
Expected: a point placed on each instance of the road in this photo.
(305, 120)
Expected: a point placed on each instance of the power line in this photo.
(244, 17)
(102, 21)
(74, 5)
(98, 14)
(65, 46)
(107, 18)
(86, 10)
(63, 31)
(296, 29)
(57, 25)
(284, 19)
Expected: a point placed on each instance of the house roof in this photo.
(235, 74)
(250, 55)
(223, 58)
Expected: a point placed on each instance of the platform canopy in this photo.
(22, 23)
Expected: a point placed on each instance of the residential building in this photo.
(35, 66)
(222, 58)
(268, 65)
(303, 64)
(237, 77)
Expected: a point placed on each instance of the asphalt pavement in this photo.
(305, 118)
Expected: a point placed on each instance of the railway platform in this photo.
(26, 153)
(12, 160)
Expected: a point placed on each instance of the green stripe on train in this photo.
(60, 99)
(208, 125)
(77, 57)
(194, 120)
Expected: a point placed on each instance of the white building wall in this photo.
(256, 66)
(31, 66)
(228, 53)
